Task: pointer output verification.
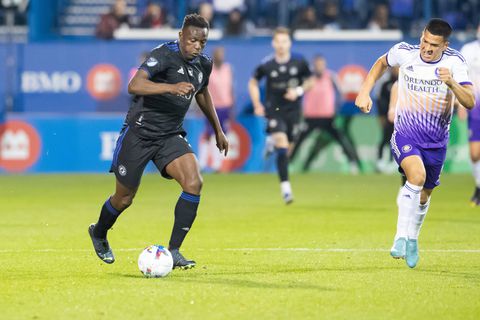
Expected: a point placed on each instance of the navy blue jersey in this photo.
(279, 77)
(153, 116)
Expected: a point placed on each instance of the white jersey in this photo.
(425, 104)
(471, 52)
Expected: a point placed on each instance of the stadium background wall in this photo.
(70, 99)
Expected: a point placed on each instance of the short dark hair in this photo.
(439, 27)
(195, 20)
(281, 30)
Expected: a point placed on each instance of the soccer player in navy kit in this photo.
(287, 77)
(163, 88)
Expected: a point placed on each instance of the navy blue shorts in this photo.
(288, 122)
(133, 153)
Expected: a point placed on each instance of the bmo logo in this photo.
(351, 78)
(54, 82)
(19, 146)
(104, 82)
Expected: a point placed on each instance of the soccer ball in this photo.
(155, 261)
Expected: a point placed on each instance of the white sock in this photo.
(286, 187)
(476, 173)
(416, 220)
(407, 207)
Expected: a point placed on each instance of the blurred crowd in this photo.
(248, 17)
(251, 17)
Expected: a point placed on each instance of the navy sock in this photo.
(185, 213)
(282, 164)
(107, 218)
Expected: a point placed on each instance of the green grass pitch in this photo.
(324, 257)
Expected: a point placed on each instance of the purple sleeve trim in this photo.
(386, 57)
(466, 83)
(146, 70)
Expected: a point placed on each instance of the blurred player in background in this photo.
(164, 86)
(471, 52)
(431, 77)
(319, 112)
(221, 90)
(287, 78)
(383, 105)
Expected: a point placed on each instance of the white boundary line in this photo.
(249, 249)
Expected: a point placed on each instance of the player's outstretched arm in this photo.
(254, 91)
(463, 93)
(205, 103)
(363, 100)
(141, 85)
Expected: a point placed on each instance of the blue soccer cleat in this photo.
(398, 249)
(411, 256)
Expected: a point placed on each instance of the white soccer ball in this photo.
(155, 261)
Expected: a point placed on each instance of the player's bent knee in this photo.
(193, 185)
(417, 178)
(127, 201)
(475, 157)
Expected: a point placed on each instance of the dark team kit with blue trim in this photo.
(153, 128)
(283, 115)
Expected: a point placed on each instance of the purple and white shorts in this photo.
(432, 158)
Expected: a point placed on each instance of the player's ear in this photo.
(180, 34)
(445, 46)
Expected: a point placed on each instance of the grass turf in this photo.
(325, 256)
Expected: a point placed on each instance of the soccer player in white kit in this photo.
(431, 76)
(471, 52)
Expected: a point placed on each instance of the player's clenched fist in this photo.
(445, 75)
(364, 103)
(182, 88)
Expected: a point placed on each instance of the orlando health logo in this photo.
(19, 146)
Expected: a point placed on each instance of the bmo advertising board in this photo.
(46, 143)
(73, 78)
(20, 146)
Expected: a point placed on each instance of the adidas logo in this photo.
(186, 229)
(181, 70)
(410, 68)
(407, 196)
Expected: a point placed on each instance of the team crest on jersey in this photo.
(151, 62)
(200, 77)
(282, 69)
(293, 71)
(122, 170)
(406, 148)
(272, 123)
(190, 72)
